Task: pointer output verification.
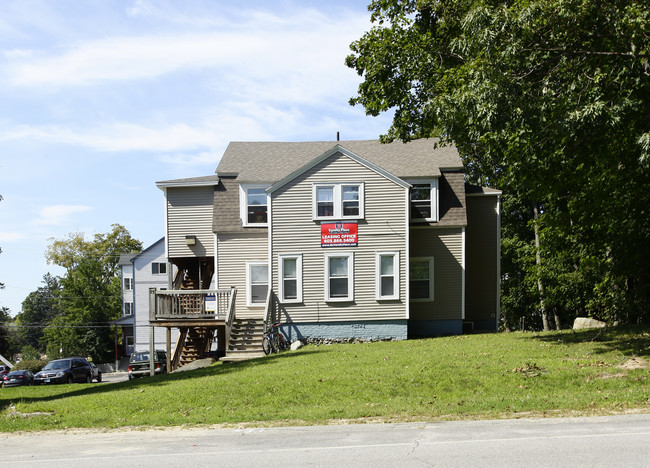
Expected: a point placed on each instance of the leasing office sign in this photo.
(338, 234)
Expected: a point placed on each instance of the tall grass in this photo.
(463, 377)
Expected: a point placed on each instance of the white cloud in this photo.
(59, 214)
(259, 45)
(11, 236)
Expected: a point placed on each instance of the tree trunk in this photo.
(538, 262)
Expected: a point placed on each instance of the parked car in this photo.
(96, 373)
(139, 364)
(67, 370)
(18, 377)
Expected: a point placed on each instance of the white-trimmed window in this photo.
(339, 277)
(387, 275)
(257, 283)
(338, 201)
(128, 308)
(424, 200)
(158, 268)
(290, 271)
(254, 205)
(128, 284)
(421, 279)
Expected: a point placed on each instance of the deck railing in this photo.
(191, 304)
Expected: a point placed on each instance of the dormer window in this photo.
(424, 200)
(338, 201)
(254, 204)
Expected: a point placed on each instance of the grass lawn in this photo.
(464, 377)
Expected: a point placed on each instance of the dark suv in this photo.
(139, 364)
(67, 370)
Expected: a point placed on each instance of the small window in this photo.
(387, 275)
(158, 268)
(128, 308)
(424, 200)
(339, 282)
(338, 201)
(128, 284)
(291, 278)
(257, 283)
(421, 279)
(254, 205)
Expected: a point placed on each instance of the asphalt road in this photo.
(613, 441)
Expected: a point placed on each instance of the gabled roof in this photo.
(204, 181)
(270, 162)
(337, 149)
(476, 190)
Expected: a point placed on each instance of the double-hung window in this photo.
(158, 268)
(257, 283)
(128, 284)
(128, 308)
(387, 275)
(338, 201)
(421, 279)
(254, 205)
(424, 200)
(339, 280)
(290, 278)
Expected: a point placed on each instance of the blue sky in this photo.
(100, 99)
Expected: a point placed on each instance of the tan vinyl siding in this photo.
(446, 248)
(233, 251)
(189, 213)
(481, 262)
(383, 229)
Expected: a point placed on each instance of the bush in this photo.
(32, 365)
(29, 353)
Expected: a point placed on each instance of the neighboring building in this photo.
(351, 239)
(140, 272)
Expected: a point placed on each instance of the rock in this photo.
(586, 322)
(296, 345)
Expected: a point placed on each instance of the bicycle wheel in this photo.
(284, 344)
(266, 345)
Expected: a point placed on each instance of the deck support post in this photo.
(152, 351)
(169, 349)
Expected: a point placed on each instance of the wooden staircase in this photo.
(245, 340)
(195, 345)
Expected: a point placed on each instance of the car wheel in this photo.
(99, 378)
(89, 379)
(69, 380)
(130, 377)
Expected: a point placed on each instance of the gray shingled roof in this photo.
(272, 161)
(190, 181)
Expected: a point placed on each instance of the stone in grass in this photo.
(586, 322)
(296, 345)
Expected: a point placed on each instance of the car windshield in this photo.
(54, 365)
(140, 357)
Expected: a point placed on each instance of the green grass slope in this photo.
(465, 377)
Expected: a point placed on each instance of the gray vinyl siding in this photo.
(383, 228)
(233, 251)
(189, 213)
(446, 248)
(482, 262)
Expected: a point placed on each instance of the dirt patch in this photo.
(635, 363)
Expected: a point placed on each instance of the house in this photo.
(139, 273)
(339, 240)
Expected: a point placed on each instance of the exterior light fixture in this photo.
(190, 240)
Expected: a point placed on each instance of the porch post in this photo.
(169, 349)
(152, 350)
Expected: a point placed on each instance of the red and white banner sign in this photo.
(338, 234)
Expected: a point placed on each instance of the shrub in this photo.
(32, 365)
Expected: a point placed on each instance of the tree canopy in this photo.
(548, 101)
(90, 292)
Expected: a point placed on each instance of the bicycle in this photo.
(274, 340)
